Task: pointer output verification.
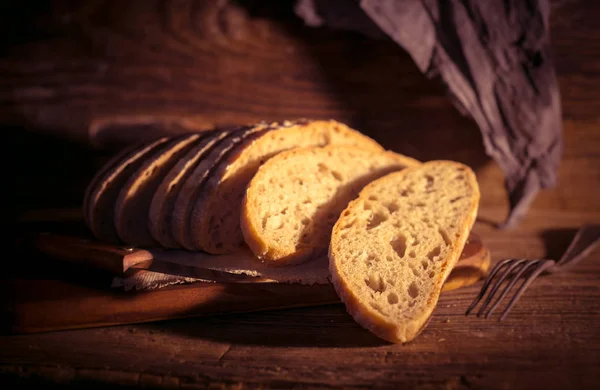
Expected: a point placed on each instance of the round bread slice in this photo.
(196, 179)
(296, 197)
(163, 201)
(133, 203)
(395, 245)
(215, 217)
(103, 192)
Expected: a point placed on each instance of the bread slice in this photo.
(133, 202)
(296, 197)
(472, 265)
(395, 245)
(102, 192)
(101, 175)
(196, 179)
(215, 216)
(163, 201)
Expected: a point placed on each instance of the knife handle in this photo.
(113, 258)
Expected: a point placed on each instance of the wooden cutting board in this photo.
(56, 295)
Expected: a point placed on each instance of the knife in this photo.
(127, 260)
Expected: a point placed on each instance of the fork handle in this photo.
(582, 244)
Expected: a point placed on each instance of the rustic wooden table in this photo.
(68, 67)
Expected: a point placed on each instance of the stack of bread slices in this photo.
(393, 227)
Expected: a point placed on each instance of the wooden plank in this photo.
(45, 305)
(549, 339)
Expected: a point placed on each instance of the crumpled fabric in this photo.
(494, 57)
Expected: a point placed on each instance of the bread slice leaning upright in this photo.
(165, 196)
(196, 180)
(394, 246)
(295, 198)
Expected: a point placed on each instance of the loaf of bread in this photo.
(394, 246)
(133, 202)
(295, 198)
(214, 224)
(101, 194)
(164, 199)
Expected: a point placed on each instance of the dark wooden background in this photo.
(69, 68)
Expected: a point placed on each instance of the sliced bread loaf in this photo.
(103, 191)
(133, 202)
(394, 246)
(295, 198)
(163, 201)
(215, 215)
(196, 180)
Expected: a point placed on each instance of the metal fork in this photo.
(511, 270)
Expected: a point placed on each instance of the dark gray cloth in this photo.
(494, 57)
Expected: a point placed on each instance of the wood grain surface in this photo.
(68, 68)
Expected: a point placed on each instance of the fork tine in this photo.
(498, 283)
(581, 245)
(510, 285)
(544, 265)
(486, 284)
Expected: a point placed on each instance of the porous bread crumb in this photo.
(394, 246)
(296, 197)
